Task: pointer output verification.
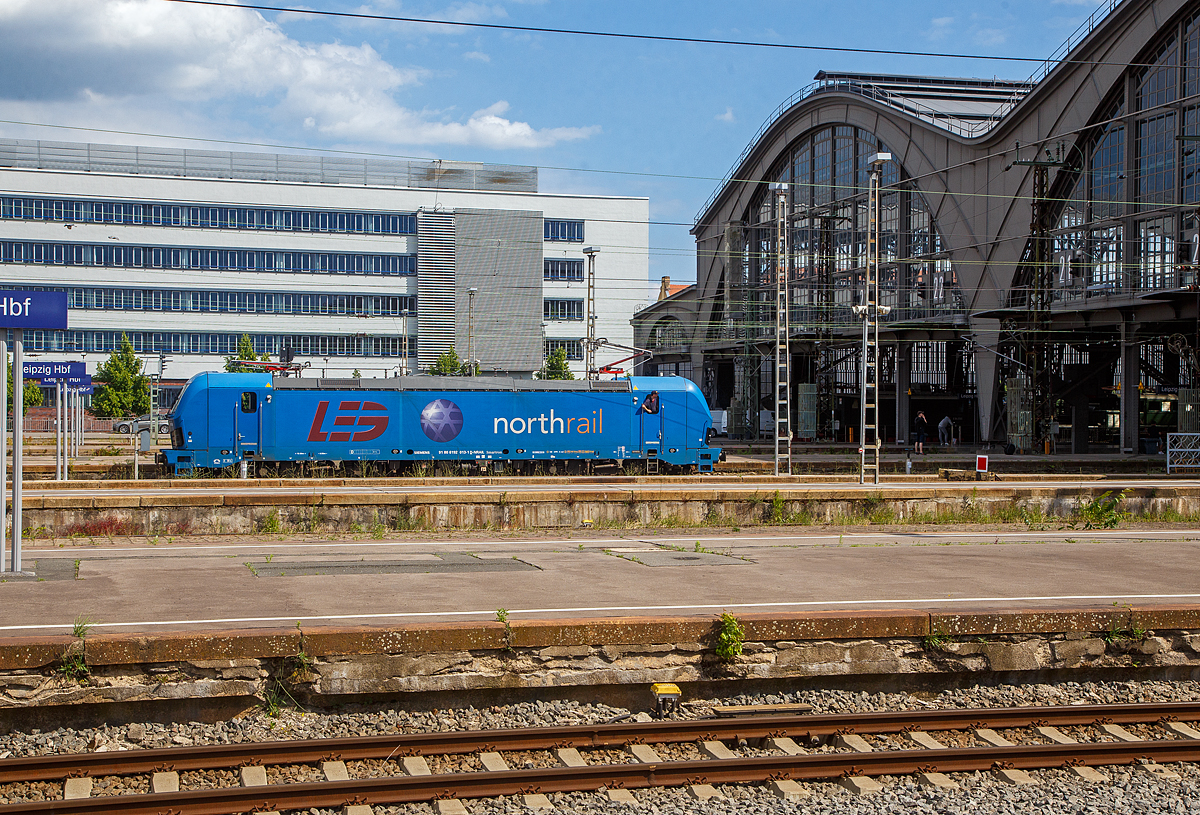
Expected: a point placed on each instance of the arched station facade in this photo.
(1038, 249)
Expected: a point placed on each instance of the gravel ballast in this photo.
(1126, 791)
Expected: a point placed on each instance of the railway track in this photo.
(408, 778)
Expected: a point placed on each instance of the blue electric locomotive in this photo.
(221, 419)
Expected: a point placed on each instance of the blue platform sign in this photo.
(52, 370)
(70, 381)
(33, 309)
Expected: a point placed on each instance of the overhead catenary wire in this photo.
(353, 15)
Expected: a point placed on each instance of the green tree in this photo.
(33, 394)
(245, 352)
(123, 390)
(448, 364)
(556, 366)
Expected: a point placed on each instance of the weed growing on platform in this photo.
(271, 523)
(107, 527)
(74, 667)
(777, 507)
(82, 625)
(730, 638)
(502, 617)
(378, 528)
(1102, 512)
(936, 641)
(250, 566)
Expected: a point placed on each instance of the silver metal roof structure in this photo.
(287, 167)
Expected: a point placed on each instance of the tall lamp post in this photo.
(471, 329)
(589, 354)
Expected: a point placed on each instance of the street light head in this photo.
(472, 290)
(591, 251)
(879, 159)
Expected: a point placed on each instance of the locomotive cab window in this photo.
(651, 404)
(249, 402)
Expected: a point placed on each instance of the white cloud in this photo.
(87, 56)
(939, 28)
(477, 55)
(727, 116)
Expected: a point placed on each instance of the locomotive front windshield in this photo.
(179, 398)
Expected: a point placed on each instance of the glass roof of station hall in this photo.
(966, 107)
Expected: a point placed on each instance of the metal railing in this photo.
(1183, 452)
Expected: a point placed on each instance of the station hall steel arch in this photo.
(1038, 247)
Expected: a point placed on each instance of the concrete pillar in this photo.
(1131, 375)
(1079, 421)
(903, 399)
(985, 378)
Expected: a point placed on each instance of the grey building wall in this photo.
(435, 285)
(499, 253)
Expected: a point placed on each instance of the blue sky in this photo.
(655, 119)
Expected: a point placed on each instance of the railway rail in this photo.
(780, 731)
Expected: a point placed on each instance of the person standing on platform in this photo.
(922, 428)
(945, 431)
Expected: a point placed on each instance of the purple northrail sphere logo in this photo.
(442, 420)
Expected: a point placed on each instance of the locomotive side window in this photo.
(249, 402)
(651, 403)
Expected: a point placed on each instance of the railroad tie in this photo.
(716, 749)
(989, 736)
(1182, 730)
(1153, 770)
(164, 782)
(495, 763)
(335, 771)
(449, 806)
(712, 749)
(253, 775)
(645, 754)
(570, 757)
(784, 745)
(1012, 776)
(1056, 736)
(77, 788)
(857, 784)
(931, 779)
(415, 765)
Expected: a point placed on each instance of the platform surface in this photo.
(147, 585)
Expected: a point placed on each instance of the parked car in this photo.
(141, 423)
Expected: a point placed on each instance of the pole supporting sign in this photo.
(19, 310)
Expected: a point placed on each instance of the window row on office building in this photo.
(240, 302)
(568, 231)
(562, 309)
(148, 342)
(156, 257)
(559, 269)
(574, 348)
(173, 214)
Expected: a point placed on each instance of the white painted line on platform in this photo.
(900, 603)
(901, 537)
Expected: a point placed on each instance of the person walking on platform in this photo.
(945, 431)
(921, 425)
